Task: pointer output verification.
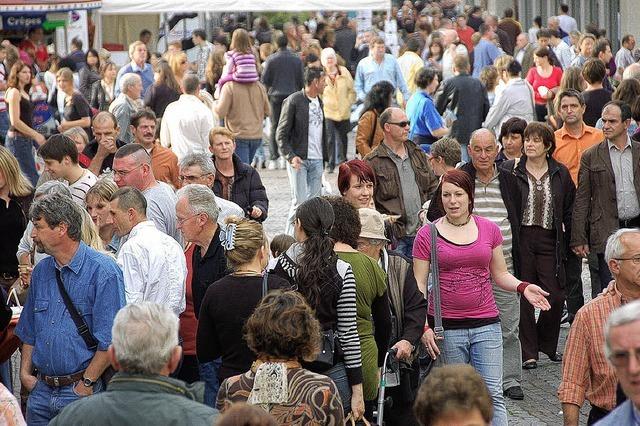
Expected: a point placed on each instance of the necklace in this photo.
(247, 272)
(457, 224)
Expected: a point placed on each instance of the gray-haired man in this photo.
(145, 351)
(126, 104)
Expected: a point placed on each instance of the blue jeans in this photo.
(246, 149)
(338, 374)
(405, 246)
(482, 348)
(305, 183)
(4, 126)
(22, 149)
(46, 402)
(209, 375)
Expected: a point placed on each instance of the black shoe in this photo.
(530, 364)
(555, 357)
(514, 392)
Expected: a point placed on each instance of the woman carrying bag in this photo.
(469, 257)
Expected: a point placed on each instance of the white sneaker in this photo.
(272, 165)
(282, 163)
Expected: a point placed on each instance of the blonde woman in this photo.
(179, 64)
(77, 111)
(16, 194)
(338, 97)
(97, 199)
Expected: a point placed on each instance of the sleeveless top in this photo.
(26, 112)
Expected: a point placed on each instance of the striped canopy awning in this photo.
(46, 6)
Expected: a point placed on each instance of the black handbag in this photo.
(426, 362)
(82, 327)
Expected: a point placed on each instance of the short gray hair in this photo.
(191, 83)
(130, 198)
(56, 209)
(615, 247)
(201, 160)
(128, 80)
(144, 336)
(53, 187)
(626, 314)
(201, 200)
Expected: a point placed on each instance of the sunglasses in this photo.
(401, 123)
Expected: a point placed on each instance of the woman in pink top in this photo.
(469, 257)
(545, 79)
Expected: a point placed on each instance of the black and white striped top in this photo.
(336, 309)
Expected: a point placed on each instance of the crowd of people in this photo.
(496, 160)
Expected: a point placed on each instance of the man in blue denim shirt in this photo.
(66, 368)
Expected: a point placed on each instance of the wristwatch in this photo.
(88, 382)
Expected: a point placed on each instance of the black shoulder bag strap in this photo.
(81, 325)
(265, 288)
(435, 275)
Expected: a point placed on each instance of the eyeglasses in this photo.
(621, 358)
(186, 178)
(635, 259)
(400, 123)
(123, 173)
(182, 221)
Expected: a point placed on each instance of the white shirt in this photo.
(154, 268)
(227, 208)
(80, 187)
(314, 147)
(186, 124)
(564, 54)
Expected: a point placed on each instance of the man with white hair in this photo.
(197, 216)
(126, 104)
(186, 122)
(138, 65)
(632, 71)
(152, 262)
(622, 347)
(145, 351)
(585, 371)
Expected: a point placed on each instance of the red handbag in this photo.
(9, 342)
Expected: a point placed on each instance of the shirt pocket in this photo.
(41, 314)
(387, 186)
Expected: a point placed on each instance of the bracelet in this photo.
(522, 286)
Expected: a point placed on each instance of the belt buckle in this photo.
(56, 381)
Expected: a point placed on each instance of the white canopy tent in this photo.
(122, 7)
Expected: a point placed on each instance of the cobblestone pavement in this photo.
(540, 406)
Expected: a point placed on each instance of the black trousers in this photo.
(538, 247)
(573, 280)
(338, 140)
(541, 113)
(276, 109)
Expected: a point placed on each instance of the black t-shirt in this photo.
(226, 306)
(13, 222)
(76, 109)
(92, 149)
(594, 100)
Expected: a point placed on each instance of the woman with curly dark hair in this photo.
(369, 133)
(372, 303)
(282, 332)
(329, 287)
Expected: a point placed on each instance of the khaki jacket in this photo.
(338, 96)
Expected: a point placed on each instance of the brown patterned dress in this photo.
(313, 398)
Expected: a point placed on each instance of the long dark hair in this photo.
(317, 263)
(379, 97)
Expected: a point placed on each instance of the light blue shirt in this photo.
(95, 285)
(483, 55)
(369, 72)
(145, 73)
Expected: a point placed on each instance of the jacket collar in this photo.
(156, 384)
(553, 165)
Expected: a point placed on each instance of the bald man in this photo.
(106, 143)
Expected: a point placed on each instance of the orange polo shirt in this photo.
(569, 149)
(164, 164)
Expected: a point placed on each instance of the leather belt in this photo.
(59, 381)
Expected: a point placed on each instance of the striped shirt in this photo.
(80, 187)
(488, 203)
(586, 374)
